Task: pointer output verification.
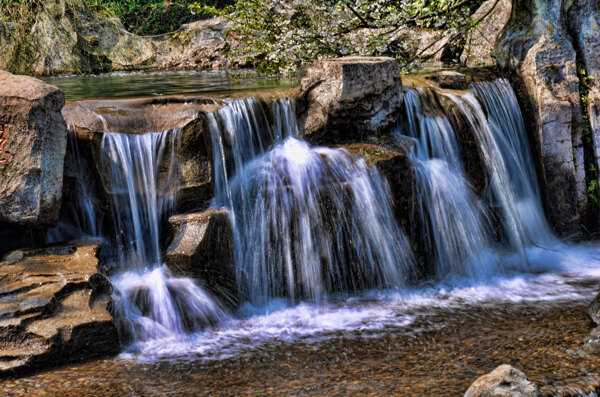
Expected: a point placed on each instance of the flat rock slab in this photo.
(54, 308)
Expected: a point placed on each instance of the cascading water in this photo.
(508, 131)
(307, 221)
(458, 223)
(151, 303)
(448, 209)
(81, 218)
(311, 222)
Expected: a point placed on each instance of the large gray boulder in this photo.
(54, 308)
(202, 248)
(33, 141)
(504, 381)
(536, 50)
(349, 97)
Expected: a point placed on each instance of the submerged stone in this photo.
(450, 79)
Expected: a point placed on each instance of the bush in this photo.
(149, 17)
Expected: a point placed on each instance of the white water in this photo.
(150, 303)
(295, 209)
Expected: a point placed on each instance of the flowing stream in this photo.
(317, 248)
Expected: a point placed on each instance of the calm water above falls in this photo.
(295, 207)
(138, 84)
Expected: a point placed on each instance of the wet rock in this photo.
(54, 308)
(594, 309)
(202, 248)
(33, 141)
(191, 180)
(494, 15)
(449, 79)
(503, 381)
(537, 53)
(348, 98)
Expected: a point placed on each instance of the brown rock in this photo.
(349, 97)
(202, 248)
(54, 309)
(33, 140)
(449, 79)
(503, 381)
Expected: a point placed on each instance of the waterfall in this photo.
(79, 218)
(459, 225)
(452, 217)
(139, 204)
(150, 302)
(507, 130)
(307, 221)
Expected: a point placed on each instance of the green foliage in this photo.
(592, 190)
(158, 16)
(279, 34)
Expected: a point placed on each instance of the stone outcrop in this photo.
(202, 248)
(388, 154)
(348, 98)
(503, 381)
(479, 48)
(192, 179)
(69, 38)
(54, 308)
(33, 140)
(536, 50)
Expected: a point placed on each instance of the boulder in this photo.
(536, 52)
(33, 141)
(449, 79)
(503, 381)
(494, 15)
(202, 248)
(54, 308)
(348, 98)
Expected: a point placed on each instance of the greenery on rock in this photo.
(147, 17)
(278, 34)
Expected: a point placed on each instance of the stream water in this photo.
(321, 259)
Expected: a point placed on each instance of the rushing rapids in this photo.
(317, 248)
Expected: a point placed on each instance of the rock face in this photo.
(54, 308)
(536, 50)
(202, 248)
(503, 381)
(349, 97)
(33, 140)
(494, 14)
(69, 38)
